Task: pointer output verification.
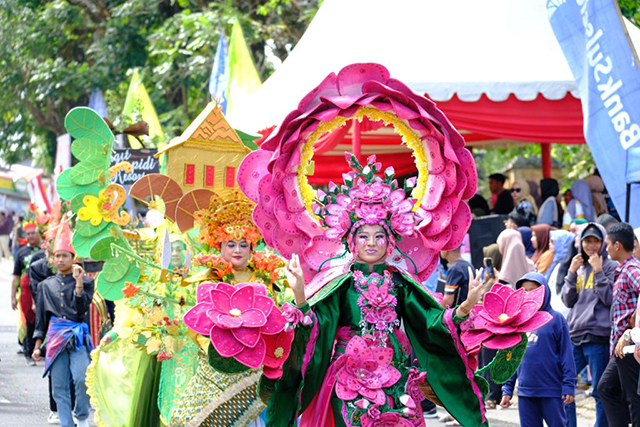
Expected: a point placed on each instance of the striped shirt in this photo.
(626, 290)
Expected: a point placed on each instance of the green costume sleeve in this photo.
(297, 388)
(437, 351)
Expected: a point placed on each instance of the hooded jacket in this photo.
(589, 297)
(548, 369)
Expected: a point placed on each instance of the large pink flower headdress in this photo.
(275, 176)
(366, 198)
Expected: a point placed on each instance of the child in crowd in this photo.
(547, 375)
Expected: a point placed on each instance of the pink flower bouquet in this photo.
(238, 319)
(504, 315)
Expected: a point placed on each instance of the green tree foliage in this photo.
(54, 53)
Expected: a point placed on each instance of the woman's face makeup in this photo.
(236, 252)
(371, 243)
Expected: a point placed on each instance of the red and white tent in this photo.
(494, 67)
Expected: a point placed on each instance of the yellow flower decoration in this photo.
(105, 207)
(94, 209)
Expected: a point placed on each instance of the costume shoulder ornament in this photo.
(275, 177)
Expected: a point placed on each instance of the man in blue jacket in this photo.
(547, 375)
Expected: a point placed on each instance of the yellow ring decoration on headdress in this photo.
(409, 137)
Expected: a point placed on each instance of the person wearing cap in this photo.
(588, 292)
(503, 202)
(26, 255)
(547, 375)
(63, 302)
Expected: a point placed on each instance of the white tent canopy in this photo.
(441, 48)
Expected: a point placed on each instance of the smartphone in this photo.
(489, 264)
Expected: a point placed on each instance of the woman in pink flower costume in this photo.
(358, 254)
(365, 380)
(236, 323)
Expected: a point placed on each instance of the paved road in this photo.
(23, 392)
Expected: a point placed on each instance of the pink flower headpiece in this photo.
(367, 199)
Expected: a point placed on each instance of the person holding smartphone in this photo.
(62, 304)
(588, 292)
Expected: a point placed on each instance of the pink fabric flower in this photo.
(291, 314)
(504, 316)
(381, 318)
(378, 295)
(371, 214)
(370, 193)
(236, 318)
(338, 221)
(278, 349)
(388, 419)
(365, 371)
(412, 387)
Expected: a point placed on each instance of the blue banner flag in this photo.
(219, 81)
(593, 38)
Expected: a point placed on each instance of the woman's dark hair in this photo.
(623, 233)
(520, 220)
(549, 188)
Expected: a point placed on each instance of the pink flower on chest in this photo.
(378, 296)
(236, 318)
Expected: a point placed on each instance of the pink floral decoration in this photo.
(365, 371)
(504, 315)
(268, 176)
(412, 387)
(373, 418)
(278, 349)
(237, 318)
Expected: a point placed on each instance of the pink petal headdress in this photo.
(271, 176)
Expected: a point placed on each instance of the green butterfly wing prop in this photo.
(92, 147)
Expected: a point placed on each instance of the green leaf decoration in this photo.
(83, 122)
(83, 244)
(110, 291)
(483, 385)
(78, 202)
(113, 290)
(88, 171)
(506, 362)
(228, 365)
(68, 190)
(86, 148)
(85, 229)
(101, 250)
(116, 268)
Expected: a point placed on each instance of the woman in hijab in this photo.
(550, 212)
(527, 236)
(542, 257)
(597, 194)
(582, 204)
(515, 263)
(561, 243)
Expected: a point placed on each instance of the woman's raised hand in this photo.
(475, 287)
(295, 277)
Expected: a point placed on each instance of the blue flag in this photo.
(219, 81)
(594, 41)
